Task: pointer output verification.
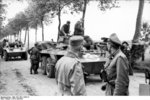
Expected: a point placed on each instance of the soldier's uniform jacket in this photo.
(117, 72)
(127, 52)
(78, 29)
(34, 54)
(65, 28)
(69, 75)
(88, 42)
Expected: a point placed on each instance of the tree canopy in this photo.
(42, 11)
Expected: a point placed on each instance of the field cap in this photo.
(76, 41)
(114, 39)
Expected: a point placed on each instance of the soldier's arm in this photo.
(62, 30)
(77, 80)
(122, 80)
(29, 51)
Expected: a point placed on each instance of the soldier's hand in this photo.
(107, 63)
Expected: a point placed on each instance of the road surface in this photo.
(15, 79)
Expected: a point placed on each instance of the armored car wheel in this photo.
(6, 56)
(50, 68)
(43, 64)
(25, 56)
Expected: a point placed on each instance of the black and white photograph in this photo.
(74, 48)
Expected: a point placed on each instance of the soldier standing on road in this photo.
(117, 69)
(69, 73)
(35, 58)
(126, 50)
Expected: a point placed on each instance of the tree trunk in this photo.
(137, 50)
(25, 35)
(59, 19)
(10, 38)
(7, 37)
(15, 36)
(42, 30)
(138, 21)
(20, 35)
(84, 11)
(0, 18)
(28, 39)
(36, 34)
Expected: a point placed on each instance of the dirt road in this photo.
(15, 79)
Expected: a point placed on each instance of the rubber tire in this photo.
(43, 64)
(50, 69)
(25, 56)
(5, 56)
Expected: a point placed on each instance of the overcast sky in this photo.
(97, 23)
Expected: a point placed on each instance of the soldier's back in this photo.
(34, 53)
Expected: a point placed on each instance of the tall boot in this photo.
(31, 69)
(36, 66)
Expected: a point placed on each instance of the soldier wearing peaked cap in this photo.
(117, 69)
(69, 73)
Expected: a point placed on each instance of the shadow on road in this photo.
(93, 80)
(26, 86)
(14, 59)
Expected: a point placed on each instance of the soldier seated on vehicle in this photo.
(78, 28)
(34, 58)
(20, 44)
(16, 43)
(88, 43)
(65, 30)
(11, 45)
(7, 43)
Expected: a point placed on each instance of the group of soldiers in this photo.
(63, 35)
(69, 72)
